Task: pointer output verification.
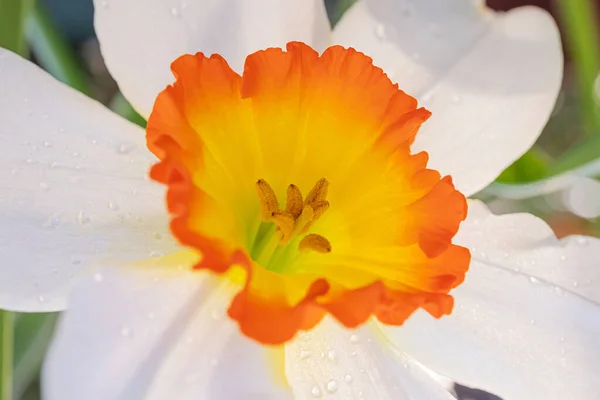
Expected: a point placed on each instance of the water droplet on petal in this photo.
(125, 332)
(126, 147)
(151, 315)
(316, 392)
(332, 386)
(380, 32)
(348, 378)
(563, 258)
(104, 4)
(353, 338)
(175, 12)
(331, 355)
(582, 241)
(83, 218)
(533, 279)
(304, 354)
(113, 206)
(44, 186)
(41, 299)
(455, 98)
(76, 260)
(47, 144)
(155, 254)
(53, 221)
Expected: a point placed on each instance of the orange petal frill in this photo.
(380, 232)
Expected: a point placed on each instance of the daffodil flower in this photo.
(319, 253)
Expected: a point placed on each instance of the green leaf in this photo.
(7, 335)
(121, 106)
(33, 332)
(532, 166)
(12, 20)
(579, 20)
(53, 51)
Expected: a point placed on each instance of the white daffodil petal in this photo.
(156, 332)
(140, 38)
(489, 79)
(512, 334)
(524, 243)
(333, 362)
(73, 190)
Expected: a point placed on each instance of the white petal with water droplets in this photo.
(489, 79)
(525, 243)
(156, 332)
(516, 335)
(141, 38)
(332, 362)
(71, 194)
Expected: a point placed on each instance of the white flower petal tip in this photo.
(527, 318)
(72, 176)
(490, 79)
(333, 362)
(140, 39)
(157, 332)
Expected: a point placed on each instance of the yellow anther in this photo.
(316, 243)
(318, 192)
(285, 222)
(294, 201)
(267, 199)
(304, 220)
(319, 209)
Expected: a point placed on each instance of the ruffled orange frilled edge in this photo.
(263, 309)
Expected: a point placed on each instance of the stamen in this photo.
(294, 201)
(285, 222)
(318, 192)
(290, 223)
(267, 199)
(316, 243)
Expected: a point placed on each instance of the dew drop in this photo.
(175, 12)
(104, 4)
(348, 378)
(380, 32)
(158, 236)
(76, 260)
(533, 279)
(304, 354)
(113, 206)
(582, 241)
(563, 258)
(125, 332)
(53, 221)
(41, 299)
(44, 186)
(316, 392)
(47, 144)
(455, 98)
(505, 255)
(151, 315)
(126, 147)
(575, 283)
(29, 160)
(215, 314)
(83, 218)
(354, 338)
(332, 386)
(98, 277)
(331, 356)
(155, 254)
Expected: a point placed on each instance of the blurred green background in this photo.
(58, 35)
